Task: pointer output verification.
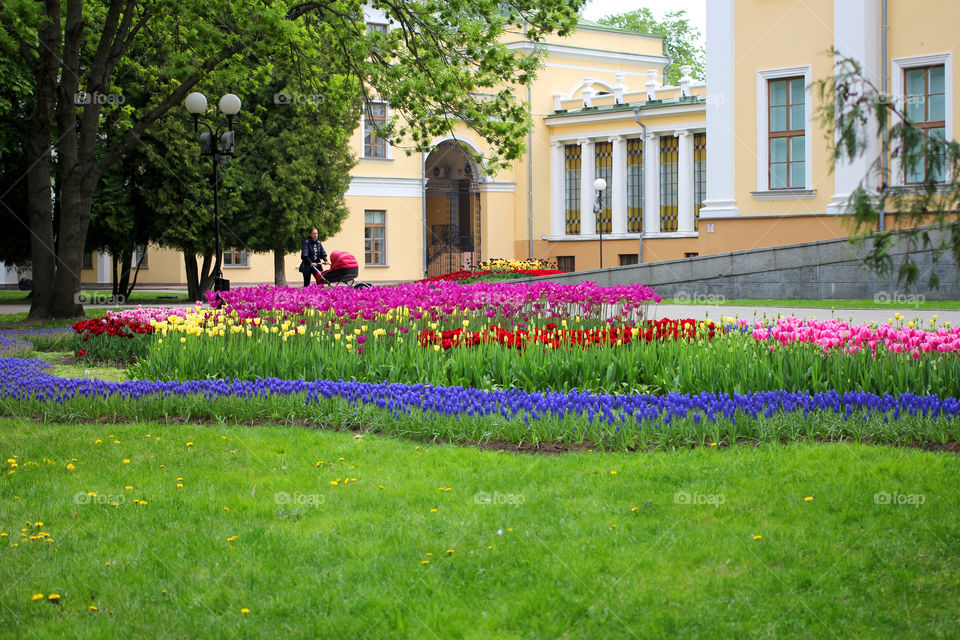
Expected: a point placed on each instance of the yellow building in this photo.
(770, 180)
(600, 110)
(431, 213)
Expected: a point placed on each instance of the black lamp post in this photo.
(219, 148)
(599, 185)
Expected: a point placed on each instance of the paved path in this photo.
(858, 316)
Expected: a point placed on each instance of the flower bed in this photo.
(544, 345)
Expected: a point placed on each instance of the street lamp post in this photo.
(599, 185)
(219, 148)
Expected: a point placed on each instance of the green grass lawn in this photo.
(445, 541)
(102, 296)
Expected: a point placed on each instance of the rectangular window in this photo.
(699, 176)
(233, 257)
(635, 185)
(571, 174)
(375, 27)
(139, 253)
(786, 122)
(374, 120)
(375, 237)
(603, 166)
(566, 263)
(925, 106)
(669, 178)
(628, 259)
(87, 260)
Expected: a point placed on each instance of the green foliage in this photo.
(679, 38)
(442, 63)
(854, 112)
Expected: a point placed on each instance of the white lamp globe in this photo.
(196, 103)
(230, 104)
(599, 184)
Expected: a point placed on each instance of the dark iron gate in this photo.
(453, 226)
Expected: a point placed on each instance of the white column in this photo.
(651, 184)
(618, 190)
(856, 34)
(104, 265)
(557, 193)
(684, 181)
(588, 165)
(721, 200)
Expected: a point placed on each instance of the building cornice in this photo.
(619, 58)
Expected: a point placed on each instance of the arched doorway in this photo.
(453, 209)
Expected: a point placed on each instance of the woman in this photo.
(311, 257)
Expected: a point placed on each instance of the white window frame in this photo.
(763, 141)
(898, 67)
(388, 148)
(246, 257)
(136, 256)
(386, 261)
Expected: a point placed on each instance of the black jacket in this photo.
(312, 252)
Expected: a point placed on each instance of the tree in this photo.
(679, 38)
(15, 106)
(295, 171)
(854, 111)
(73, 50)
(441, 63)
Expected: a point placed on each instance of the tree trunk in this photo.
(123, 284)
(38, 160)
(279, 277)
(198, 280)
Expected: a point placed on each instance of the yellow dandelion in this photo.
(449, 552)
(93, 608)
(713, 444)
(126, 461)
(808, 499)
(424, 562)
(70, 467)
(189, 444)
(433, 510)
(244, 611)
(37, 596)
(757, 537)
(54, 597)
(613, 473)
(634, 509)
(428, 554)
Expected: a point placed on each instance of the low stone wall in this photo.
(824, 270)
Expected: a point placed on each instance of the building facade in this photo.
(738, 162)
